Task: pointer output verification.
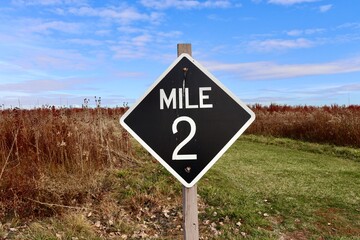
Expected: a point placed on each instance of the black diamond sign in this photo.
(187, 120)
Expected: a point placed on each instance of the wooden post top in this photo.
(184, 48)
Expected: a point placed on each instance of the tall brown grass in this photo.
(59, 157)
(337, 125)
(54, 155)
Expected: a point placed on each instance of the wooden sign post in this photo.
(190, 207)
(185, 106)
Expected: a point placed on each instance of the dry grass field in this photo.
(337, 125)
(52, 155)
(76, 174)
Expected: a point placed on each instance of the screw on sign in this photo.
(187, 119)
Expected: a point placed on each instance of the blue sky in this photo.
(294, 52)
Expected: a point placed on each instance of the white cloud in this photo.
(279, 44)
(313, 93)
(314, 31)
(323, 89)
(341, 89)
(47, 2)
(46, 27)
(290, 2)
(83, 41)
(12, 72)
(126, 51)
(141, 40)
(295, 32)
(122, 15)
(7, 66)
(36, 2)
(103, 32)
(299, 32)
(38, 86)
(170, 34)
(51, 60)
(325, 8)
(124, 74)
(134, 43)
(132, 47)
(185, 4)
(128, 29)
(271, 70)
(354, 25)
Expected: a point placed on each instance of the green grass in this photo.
(284, 188)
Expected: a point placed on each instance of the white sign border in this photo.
(220, 153)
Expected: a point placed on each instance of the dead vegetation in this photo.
(75, 174)
(57, 157)
(337, 125)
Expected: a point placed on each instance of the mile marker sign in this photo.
(187, 120)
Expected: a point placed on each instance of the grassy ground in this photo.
(262, 188)
(283, 189)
